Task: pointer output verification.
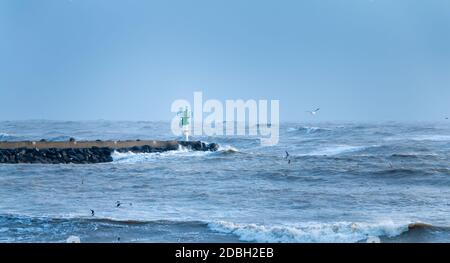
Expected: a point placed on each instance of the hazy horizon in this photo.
(358, 60)
(307, 122)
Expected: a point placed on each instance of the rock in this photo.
(213, 147)
(90, 155)
(136, 149)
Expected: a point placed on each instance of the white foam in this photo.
(431, 137)
(130, 157)
(341, 232)
(307, 129)
(227, 148)
(311, 129)
(337, 149)
(372, 239)
(73, 239)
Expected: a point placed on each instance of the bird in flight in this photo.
(314, 112)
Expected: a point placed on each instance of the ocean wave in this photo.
(337, 149)
(310, 232)
(24, 220)
(429, 137)
(340, 232)
(131, 157)
(227, 149)
(413, 155)
(438, 138)
(61, 138)
(402, 171)
(21, 228)
(5, 136)
(307, 130)
(242, 141)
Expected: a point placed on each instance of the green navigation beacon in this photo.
(185, 115)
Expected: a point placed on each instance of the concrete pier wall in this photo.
(87, 151)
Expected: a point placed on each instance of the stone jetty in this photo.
(84, 152)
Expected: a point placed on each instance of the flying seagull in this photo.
(287, 155)
(314, 112)
(118, 203)
(92, 212)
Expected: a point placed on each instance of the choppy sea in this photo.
(345, 182)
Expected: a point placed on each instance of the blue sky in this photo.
(358, 60)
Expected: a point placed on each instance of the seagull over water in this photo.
(314, 112)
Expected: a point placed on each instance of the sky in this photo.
(358, 60)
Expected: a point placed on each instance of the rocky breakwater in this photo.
(55, 155)
(84, 152)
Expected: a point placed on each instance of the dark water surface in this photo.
(346, 183)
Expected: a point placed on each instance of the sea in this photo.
(323, 182)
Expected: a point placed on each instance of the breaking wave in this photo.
(312, 232)
(5, 136)
(338, 232)
(337, 149)
(438, 138)
(430, 137)
(341, 232)
(131, 157)
(307, 129)
(227, 149)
